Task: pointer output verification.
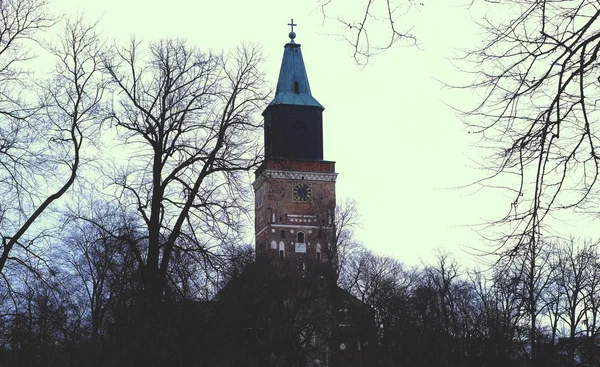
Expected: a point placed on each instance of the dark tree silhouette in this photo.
(536, 73)
(190, 119)
(572, 279)
(40, 148)
(269, 316)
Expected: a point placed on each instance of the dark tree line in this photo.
(85, 310)
(473, 318)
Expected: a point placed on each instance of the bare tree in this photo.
(374, 28)
(572, 278)
(536, 75)
(20, 23)
(444, 278)
(385, 285)
(336, 224)
(96, 249)
(592, 307)
(41, 151)
(502, 310)
(190, 120)
(531, 270)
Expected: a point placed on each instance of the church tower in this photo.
(294, 187)
(294, 220)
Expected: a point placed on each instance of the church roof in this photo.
(292, 86)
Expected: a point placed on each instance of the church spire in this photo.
(292, 86)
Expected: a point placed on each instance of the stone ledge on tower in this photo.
(295, 170)
(292, 165)
(294, 175)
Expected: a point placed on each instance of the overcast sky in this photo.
(400, 150)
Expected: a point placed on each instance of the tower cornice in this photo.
(293, 175)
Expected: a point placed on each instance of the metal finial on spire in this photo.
(292, 34)
(292, 24)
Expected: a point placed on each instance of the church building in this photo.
(294, 186)
(294, 209)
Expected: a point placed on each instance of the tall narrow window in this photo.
(271, 216)
(281, 254)
(282, 234)
(296, 87)
(301, 237)
(300, 265)
(259, 197)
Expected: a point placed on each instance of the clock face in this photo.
(301, 192)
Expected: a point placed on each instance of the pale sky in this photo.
(400, 150)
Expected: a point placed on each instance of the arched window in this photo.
(300, 237)
(281, 250)
(318, 251)
(282, 234)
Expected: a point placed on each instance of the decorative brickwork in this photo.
(279, 218)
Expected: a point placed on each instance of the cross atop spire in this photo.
(292, 86)
(292, 34)
(292, 24)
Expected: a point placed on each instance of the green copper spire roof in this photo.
(292, 86)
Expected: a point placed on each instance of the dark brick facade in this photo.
(279, 220)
